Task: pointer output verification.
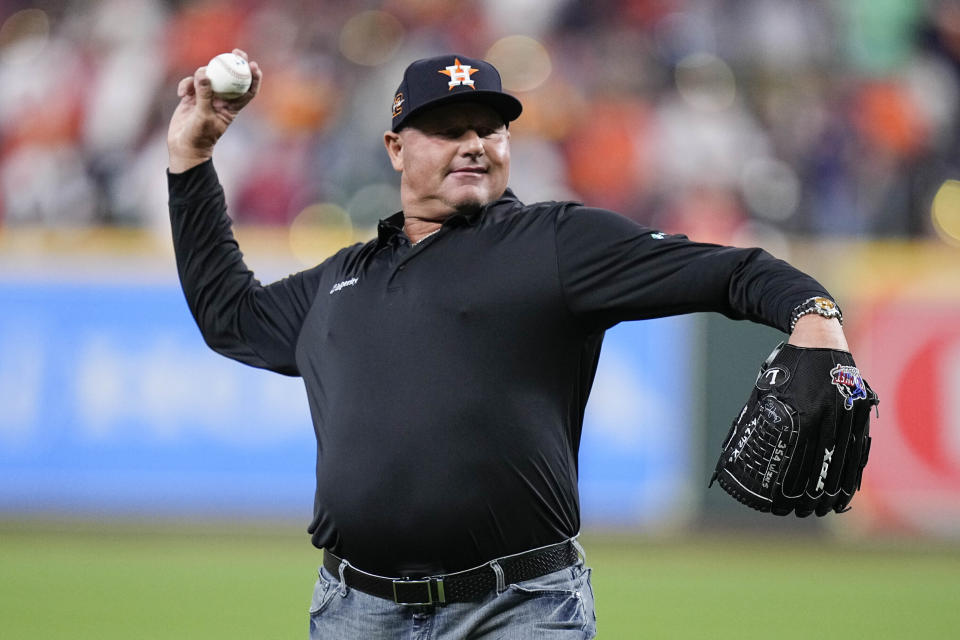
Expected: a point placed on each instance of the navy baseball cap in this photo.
(430, 82)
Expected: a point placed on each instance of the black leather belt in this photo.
(462, 586)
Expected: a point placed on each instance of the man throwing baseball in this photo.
(447, 362)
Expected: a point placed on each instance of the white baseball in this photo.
(229, 75)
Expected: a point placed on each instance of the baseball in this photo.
(229, 75)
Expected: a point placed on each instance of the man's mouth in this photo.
(473, 170)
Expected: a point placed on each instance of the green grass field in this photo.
(127, 581)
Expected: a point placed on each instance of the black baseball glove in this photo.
(802, 440)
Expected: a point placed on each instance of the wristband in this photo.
(819, 305)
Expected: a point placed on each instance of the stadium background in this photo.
(149, 488)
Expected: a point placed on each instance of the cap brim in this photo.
(504, 104)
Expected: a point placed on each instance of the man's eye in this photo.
(454, 134)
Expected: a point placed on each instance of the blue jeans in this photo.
(557, 606)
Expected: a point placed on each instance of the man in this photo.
(447, 362)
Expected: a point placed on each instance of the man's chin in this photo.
(471, 201)
(468, 205)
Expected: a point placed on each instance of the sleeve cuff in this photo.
(197, 182)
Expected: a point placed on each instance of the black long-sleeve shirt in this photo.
(447, 381)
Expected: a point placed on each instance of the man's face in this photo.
(453, 158)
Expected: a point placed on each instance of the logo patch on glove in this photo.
(849, 383)
(772, 377)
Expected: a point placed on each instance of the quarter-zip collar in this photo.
(392, 226)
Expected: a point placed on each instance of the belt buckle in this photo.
(425, 583)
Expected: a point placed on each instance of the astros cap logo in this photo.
(397, 104)
(459, 74)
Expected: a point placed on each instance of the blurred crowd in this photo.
(734, 121)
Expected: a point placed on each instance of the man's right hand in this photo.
(201, 118)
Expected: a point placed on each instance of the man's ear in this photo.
(394, 145)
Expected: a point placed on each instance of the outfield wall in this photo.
(111, 405)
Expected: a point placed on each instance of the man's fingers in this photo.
(204, 89)
(185, 87)
(241, 53)
(257, 78)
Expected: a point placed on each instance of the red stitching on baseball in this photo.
(230, 69)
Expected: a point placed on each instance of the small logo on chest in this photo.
(344, 284)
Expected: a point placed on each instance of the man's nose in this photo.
(471, 143)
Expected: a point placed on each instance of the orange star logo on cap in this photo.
(459, 74)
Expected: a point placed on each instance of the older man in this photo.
(447, 362)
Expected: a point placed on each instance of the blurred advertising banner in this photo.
(111, 404)
(914, 473)
(903, 304)
(640, 432)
